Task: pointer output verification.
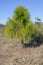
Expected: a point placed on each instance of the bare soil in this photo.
(13, 53)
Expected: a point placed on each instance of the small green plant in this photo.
(21, 27)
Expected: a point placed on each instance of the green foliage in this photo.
(21, 15)
(21, 27)
(29, 32)
(19, 21)
(9, 30)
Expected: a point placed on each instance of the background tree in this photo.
(37, 21)
(39, 27)
(38, 24)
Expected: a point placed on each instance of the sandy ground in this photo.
(12, 53)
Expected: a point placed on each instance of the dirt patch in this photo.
(12, 53)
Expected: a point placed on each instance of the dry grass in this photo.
(12, 53)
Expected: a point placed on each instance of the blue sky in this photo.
(7, 8)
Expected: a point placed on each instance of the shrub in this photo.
(20, 26)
